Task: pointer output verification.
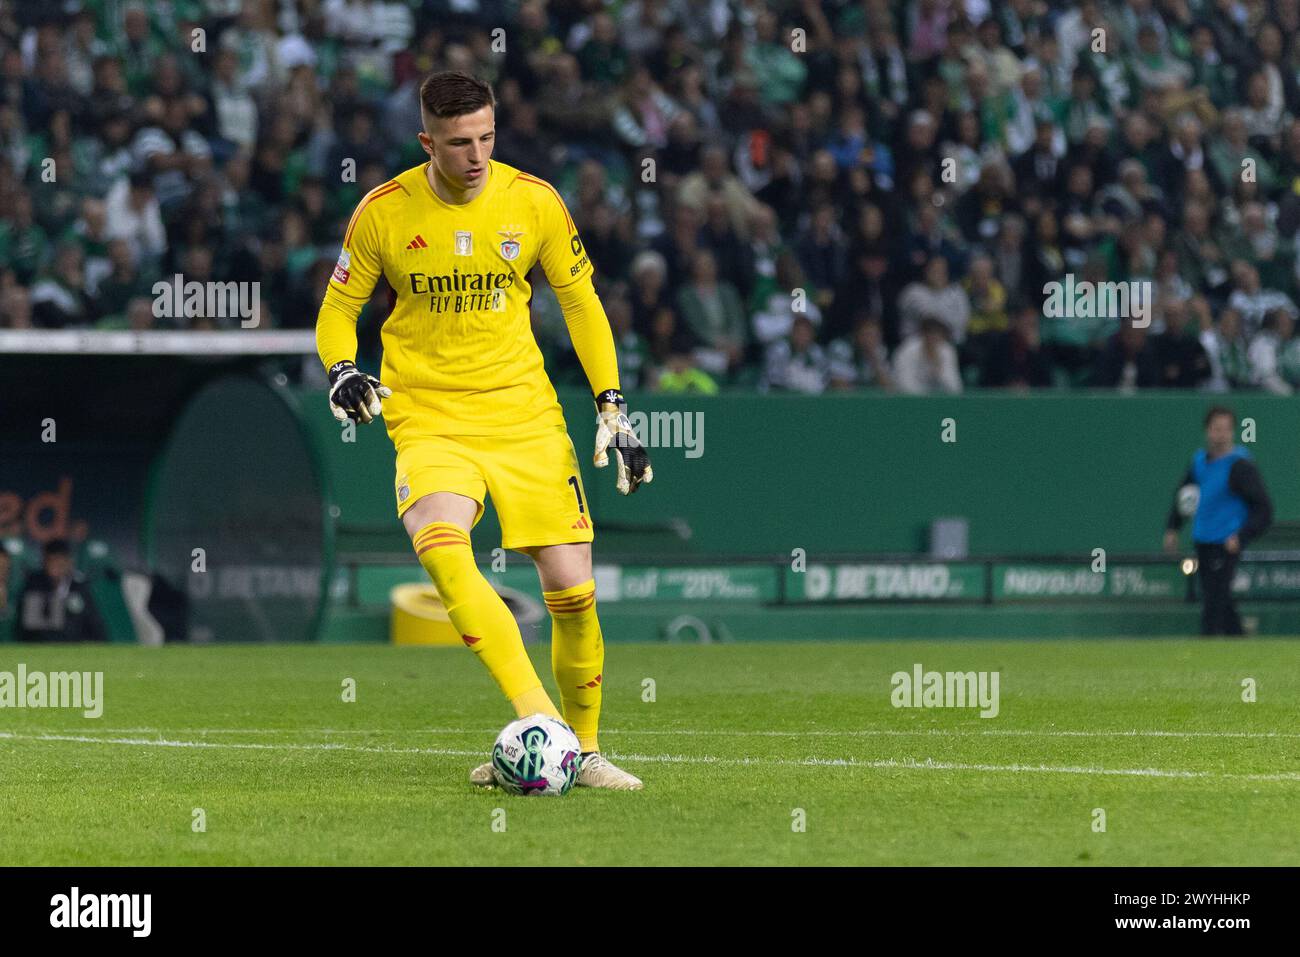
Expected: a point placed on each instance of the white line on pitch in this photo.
(233, 745)
(927, 764)
(730, 732)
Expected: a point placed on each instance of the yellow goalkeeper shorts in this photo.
(533, 479)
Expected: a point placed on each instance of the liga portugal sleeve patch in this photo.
(341, 268)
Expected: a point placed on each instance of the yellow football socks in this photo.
(485, 623)
(577, 657)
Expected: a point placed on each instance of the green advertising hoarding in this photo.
(751, 583)
(886, 581)
(1026, 582)
(1272, 580)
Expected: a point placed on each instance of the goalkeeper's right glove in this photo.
(355, 395)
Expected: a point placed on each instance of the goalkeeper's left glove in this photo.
(613, 430)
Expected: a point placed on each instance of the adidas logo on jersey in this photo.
(417, 243)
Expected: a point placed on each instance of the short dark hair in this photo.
(453, 93)
(1217, 410)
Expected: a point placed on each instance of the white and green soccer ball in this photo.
(1189, 497)
(536, 755)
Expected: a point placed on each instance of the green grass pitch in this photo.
(738, 739)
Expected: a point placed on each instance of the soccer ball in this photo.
(1189, 497)
(537, 755)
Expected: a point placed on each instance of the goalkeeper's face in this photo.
(460, 146)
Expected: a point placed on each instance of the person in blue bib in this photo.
(1230, 507)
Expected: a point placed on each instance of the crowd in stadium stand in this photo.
(806, 195)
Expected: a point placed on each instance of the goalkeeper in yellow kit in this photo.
(468, 403)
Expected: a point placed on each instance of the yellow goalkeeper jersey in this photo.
(459, 351)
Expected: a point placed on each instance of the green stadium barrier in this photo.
(743, 484)
(849, 474)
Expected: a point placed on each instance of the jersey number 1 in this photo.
(573, 480)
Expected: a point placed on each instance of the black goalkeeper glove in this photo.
(355, 395)
(613, 430)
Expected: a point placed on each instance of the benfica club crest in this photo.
(510, 243)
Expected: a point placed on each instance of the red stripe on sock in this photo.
(441, 533)
(568, 609)
(421, 551)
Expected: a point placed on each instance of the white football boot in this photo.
(483, 776)
(597, 772)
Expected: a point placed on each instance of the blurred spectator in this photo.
(1256, 240)
(667, 338)
(1231, 153)
(715, 179)
(788, 299)
(987, 297)
(24, 246)
(796, 363)
(681, 375)
(59, 297)
(633, 352)
(1202, 263)
(934, 297)
(1039, 169)
(691, 93)
(1181, 357)
(1186, 151)
(1225, 347)
(734, 258)
(1267, 351)
(645, 112)
(134, 215)
(860, 360)
(173, 153)
(1015, 358)
(236, 110)
(121, 283)
(55, 603)
(870, 286)
(781, 72)
(649, 292)
(711, 309)
(926, 362)
(1128, 361)
(823, 253)
(679, 244)
(1252, 301)
(603, 59)
(577, 112)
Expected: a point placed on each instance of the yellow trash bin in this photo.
(420, 617)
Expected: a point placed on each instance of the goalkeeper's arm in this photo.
(593, 341)
(353, 394)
